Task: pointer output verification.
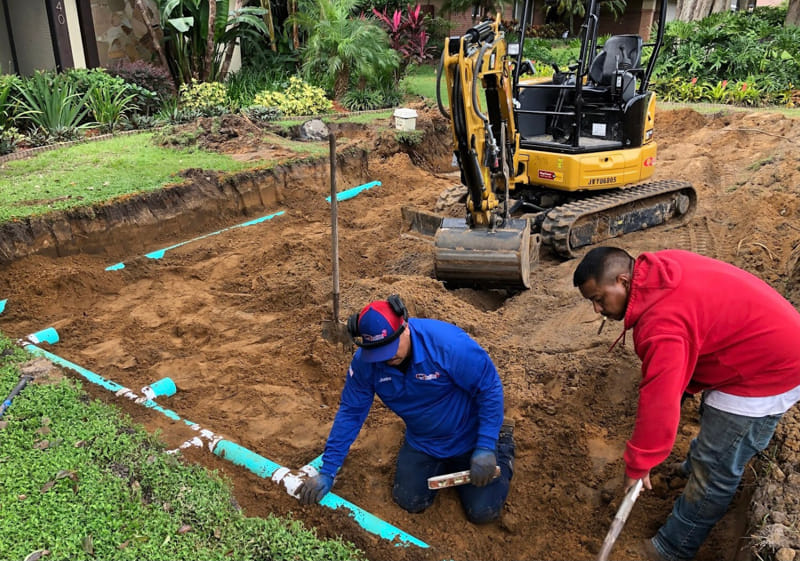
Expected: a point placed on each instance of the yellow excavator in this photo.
(560, 161)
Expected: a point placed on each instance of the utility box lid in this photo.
(405, 113)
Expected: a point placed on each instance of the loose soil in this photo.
(235, 320)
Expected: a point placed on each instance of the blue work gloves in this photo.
(482, 467)
(314, 488)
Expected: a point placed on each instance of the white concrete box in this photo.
(405, 119)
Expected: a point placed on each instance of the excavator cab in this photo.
(560, 161)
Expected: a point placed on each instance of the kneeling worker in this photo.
(447, 391)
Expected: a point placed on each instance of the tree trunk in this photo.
(226, 63)
(793, 14)
(693, 10)
(295, 37)
(267, 5)
(208, 62)
(148, 23)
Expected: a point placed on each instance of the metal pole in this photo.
(334, 228)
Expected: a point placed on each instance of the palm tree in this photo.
(341, 47)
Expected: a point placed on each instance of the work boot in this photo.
(648, 551)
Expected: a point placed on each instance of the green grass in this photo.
(421, 81)
(78, 480)
(93, 172)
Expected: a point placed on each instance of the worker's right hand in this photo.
(482, 467)
(314, 488)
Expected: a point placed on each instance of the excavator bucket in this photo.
(485, 258)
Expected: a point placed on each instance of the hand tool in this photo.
(619, 520)
(453, 479)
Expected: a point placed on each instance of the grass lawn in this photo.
(422, 81)
(93, 172)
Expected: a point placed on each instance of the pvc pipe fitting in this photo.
(164, 386)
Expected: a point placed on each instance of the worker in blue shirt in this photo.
(447, 391)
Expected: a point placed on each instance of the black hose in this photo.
(18, 388)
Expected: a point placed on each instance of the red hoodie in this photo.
(702, 324)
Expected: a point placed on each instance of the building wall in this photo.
(121, 34)
(34, 46)
(6, 55)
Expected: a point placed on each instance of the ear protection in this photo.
(399, 309)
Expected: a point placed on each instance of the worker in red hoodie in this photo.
(698, 325)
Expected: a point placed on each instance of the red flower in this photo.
(744, 86)
(694, 81)
(724, 83)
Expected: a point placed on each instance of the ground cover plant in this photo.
(79, 481)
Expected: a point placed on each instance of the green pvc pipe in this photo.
(231, 451)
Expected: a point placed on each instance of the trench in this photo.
(235, 320)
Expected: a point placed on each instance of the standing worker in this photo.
(447, 391)
(698, 325)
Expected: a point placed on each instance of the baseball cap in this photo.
(380, 328)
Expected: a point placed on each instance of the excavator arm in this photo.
(487, 247)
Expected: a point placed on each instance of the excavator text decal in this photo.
(602, 180)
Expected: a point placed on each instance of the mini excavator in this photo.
(561, 161)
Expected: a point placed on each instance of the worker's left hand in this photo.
(482, 466)
(630, 482)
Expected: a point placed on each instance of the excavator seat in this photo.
(614, 69)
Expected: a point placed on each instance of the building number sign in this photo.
(60, 18)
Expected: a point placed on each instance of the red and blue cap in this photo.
(379, 328)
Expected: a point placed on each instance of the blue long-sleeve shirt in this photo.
(450, 397)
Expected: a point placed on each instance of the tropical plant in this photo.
(244, 84)
(342, 49)
(362, 100)
(407, 34)
(109, 107)
(209, 98)
(50, 103)
(200, 35)
(296, 98)
(9, 138)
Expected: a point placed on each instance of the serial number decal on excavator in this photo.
(602, 180)
(551, 175)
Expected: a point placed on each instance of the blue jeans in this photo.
(716, 462)
(481, 504)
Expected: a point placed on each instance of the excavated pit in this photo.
(235, 320)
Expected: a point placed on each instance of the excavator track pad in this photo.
(590, 221)
(485, 258)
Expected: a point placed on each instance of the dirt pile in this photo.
(235, 320)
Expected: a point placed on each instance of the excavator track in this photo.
(589, 221)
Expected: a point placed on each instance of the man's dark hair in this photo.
(599, 263)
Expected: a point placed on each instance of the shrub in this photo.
(50, 103)
(261, 113)
(209, 98)
(143, 74)
(362, 100)
(299, 98)
(8, 86)
(246, 83)
(108, 107)
(9, 138)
